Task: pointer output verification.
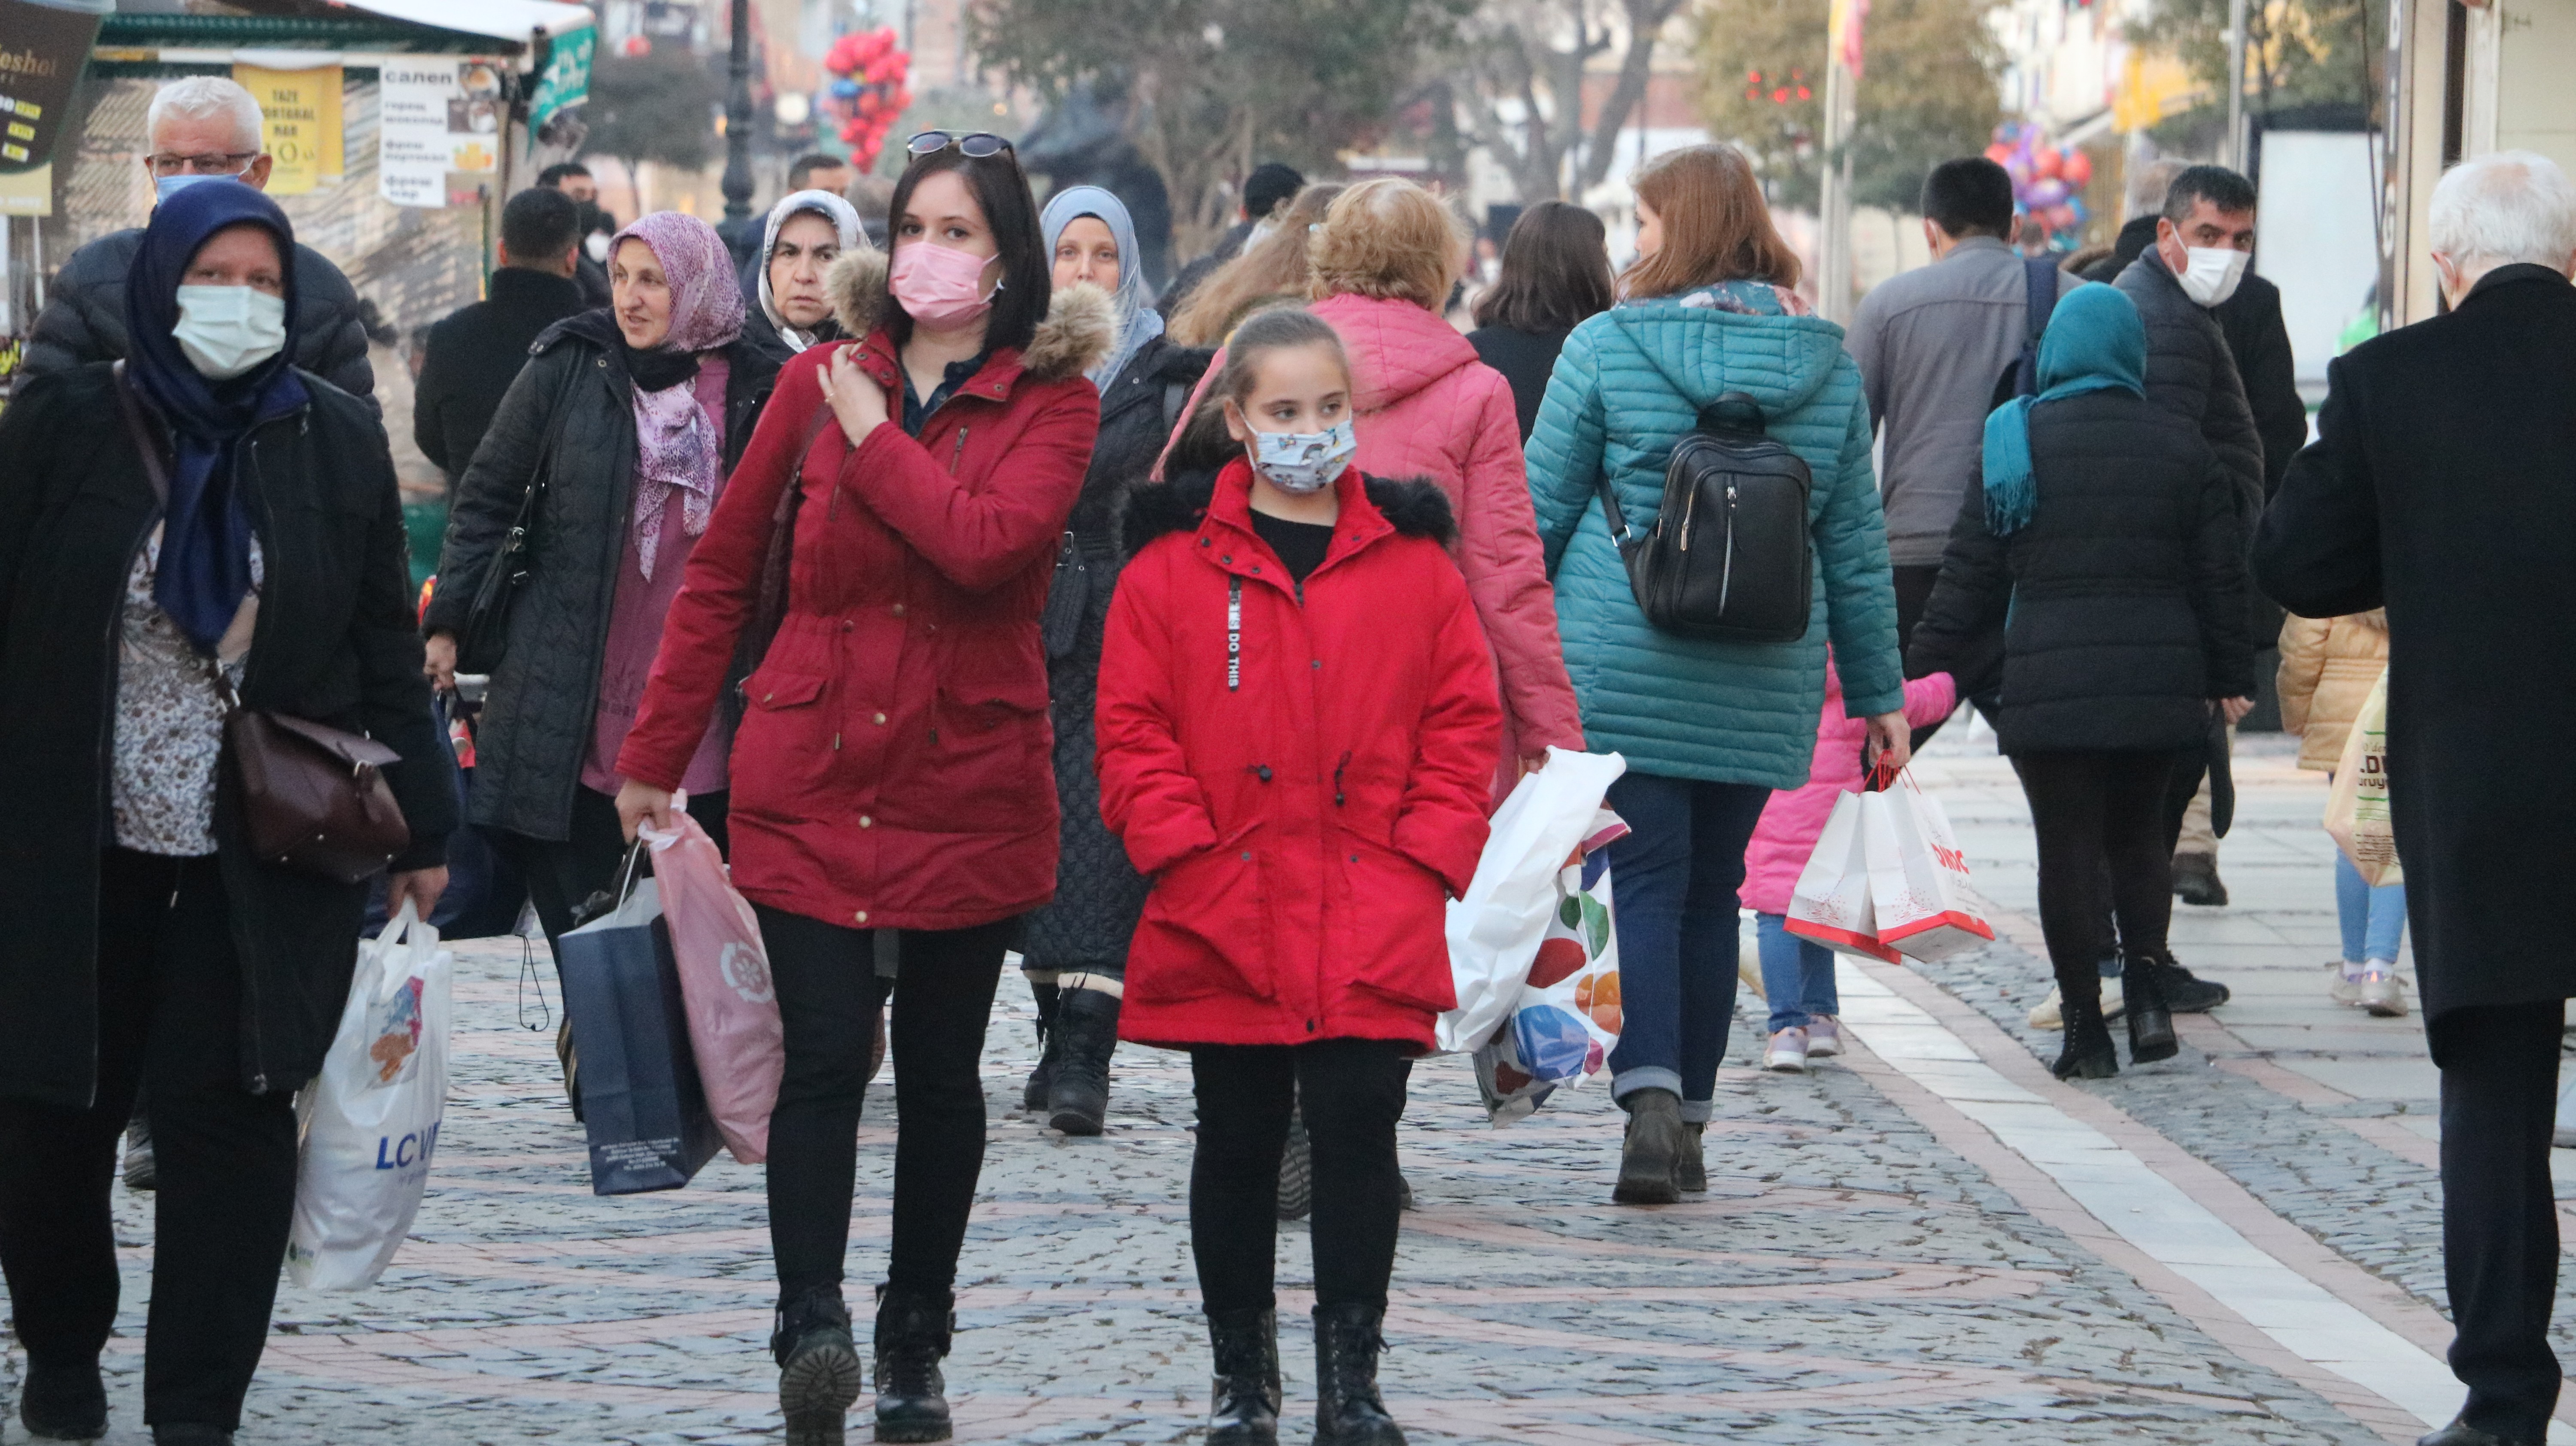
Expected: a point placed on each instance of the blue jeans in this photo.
(1797, 974)
(1673, 884)
(2374, 919)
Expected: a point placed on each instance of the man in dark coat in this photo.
(2440, 488)
(477, 351)
(204, 125)
(1271, 185)
(2204, 242)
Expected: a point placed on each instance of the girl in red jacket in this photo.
(890, 775)
(1298, 731)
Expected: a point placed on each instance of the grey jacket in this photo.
(84, 316)
(1931, 345)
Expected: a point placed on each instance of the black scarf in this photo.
(658, 367)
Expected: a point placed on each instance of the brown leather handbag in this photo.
(313, 797)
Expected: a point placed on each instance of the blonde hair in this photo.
(1275, 269)
(1388, 238)
(1716, 227)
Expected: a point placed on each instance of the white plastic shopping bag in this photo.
(1567, 1017)
(370, 1118)
(1918, 875)
(1494, 931)
(2357, 816)
(1831, 903)
(724, 982)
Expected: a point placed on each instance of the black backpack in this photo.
(2021, 377)
(1728, 556)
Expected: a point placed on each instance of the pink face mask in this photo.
(939, 286)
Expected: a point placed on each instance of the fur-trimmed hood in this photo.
(1414, 508)
(1080, 327)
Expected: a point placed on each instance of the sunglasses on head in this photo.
(975, 144)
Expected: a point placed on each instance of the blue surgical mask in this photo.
(227, 330)
(164, 187)
(1301, 462)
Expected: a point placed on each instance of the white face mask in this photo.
(227, 330)
(596, 244)
(2210, 273)
(1303, 462)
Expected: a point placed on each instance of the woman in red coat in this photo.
(1298, 729)
(890, 775)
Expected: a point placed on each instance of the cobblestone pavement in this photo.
(1872, 1263)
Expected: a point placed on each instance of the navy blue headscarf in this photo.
(206, 532)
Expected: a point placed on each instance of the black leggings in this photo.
(2103, 852)
(1351, 1092)
(828, 997)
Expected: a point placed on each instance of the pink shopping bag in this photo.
(724, 979)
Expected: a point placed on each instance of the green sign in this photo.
(566, 80)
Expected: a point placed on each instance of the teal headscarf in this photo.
(2094, 341)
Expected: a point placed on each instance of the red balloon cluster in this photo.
(2047, 182)
(869, 96)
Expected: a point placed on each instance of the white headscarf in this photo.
(1138, 321)
(844, 220)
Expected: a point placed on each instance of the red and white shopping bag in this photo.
(1832, 903)
(1918, 876)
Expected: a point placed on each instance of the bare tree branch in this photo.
(1645, 26)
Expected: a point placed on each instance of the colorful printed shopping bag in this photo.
(1567, 1017)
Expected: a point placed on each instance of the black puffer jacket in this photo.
(1098, 893)
(334, 643)
(2191, 373)
(2125, 591)
(84, 316)
(572, 400)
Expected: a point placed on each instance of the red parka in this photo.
(1302, 770)
(891, 769)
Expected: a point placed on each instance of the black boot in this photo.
(191, 1433)
(2088, 1053)
(66, 1402)
(2151, 1029)
(1243, 1400)
(2196, 881)
(1034, 1097)
(1691, 1174)
(912, 1337)
(1348, 1410)
(818, 1366)
(2184, 992)
(1650, 1158)
(1086, 1034)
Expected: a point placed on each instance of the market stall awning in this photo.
(517, 21)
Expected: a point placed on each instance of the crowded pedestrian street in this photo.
(1927, 1240)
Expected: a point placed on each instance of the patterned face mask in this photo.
(1302, 462)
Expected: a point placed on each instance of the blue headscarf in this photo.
(206, 533)
(1138, 321)
(2094, 341)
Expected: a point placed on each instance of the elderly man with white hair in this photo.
(203, 127)
(2443, 487)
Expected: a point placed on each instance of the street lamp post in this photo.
(737, 171)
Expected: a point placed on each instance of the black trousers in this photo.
(2499, 1221)
(829, 994)
(2104, 855)
(169, 1006)
(561, 875)
(1352, 1094)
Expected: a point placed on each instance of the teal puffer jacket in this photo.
(1628, 384)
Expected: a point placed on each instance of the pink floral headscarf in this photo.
(678, 446)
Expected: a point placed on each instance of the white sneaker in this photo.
(2383, 992)
(2051, 1012)
(2342, 984)
(1824, 1036)
(1787, 1052)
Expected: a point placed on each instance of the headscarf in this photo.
(845, 222)
(206, 533)
(1138, 321)
(2094, 341)
(677, 445)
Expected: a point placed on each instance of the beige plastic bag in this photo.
(2357, 805)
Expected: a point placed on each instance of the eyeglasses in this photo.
(212, 163)
(975, 144)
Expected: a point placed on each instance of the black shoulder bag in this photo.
(1727, 558)
(487, 619)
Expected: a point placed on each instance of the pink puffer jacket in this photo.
(1426, 407)
(1793, 819)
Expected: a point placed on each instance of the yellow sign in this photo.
(29, 193)
(299, 123)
